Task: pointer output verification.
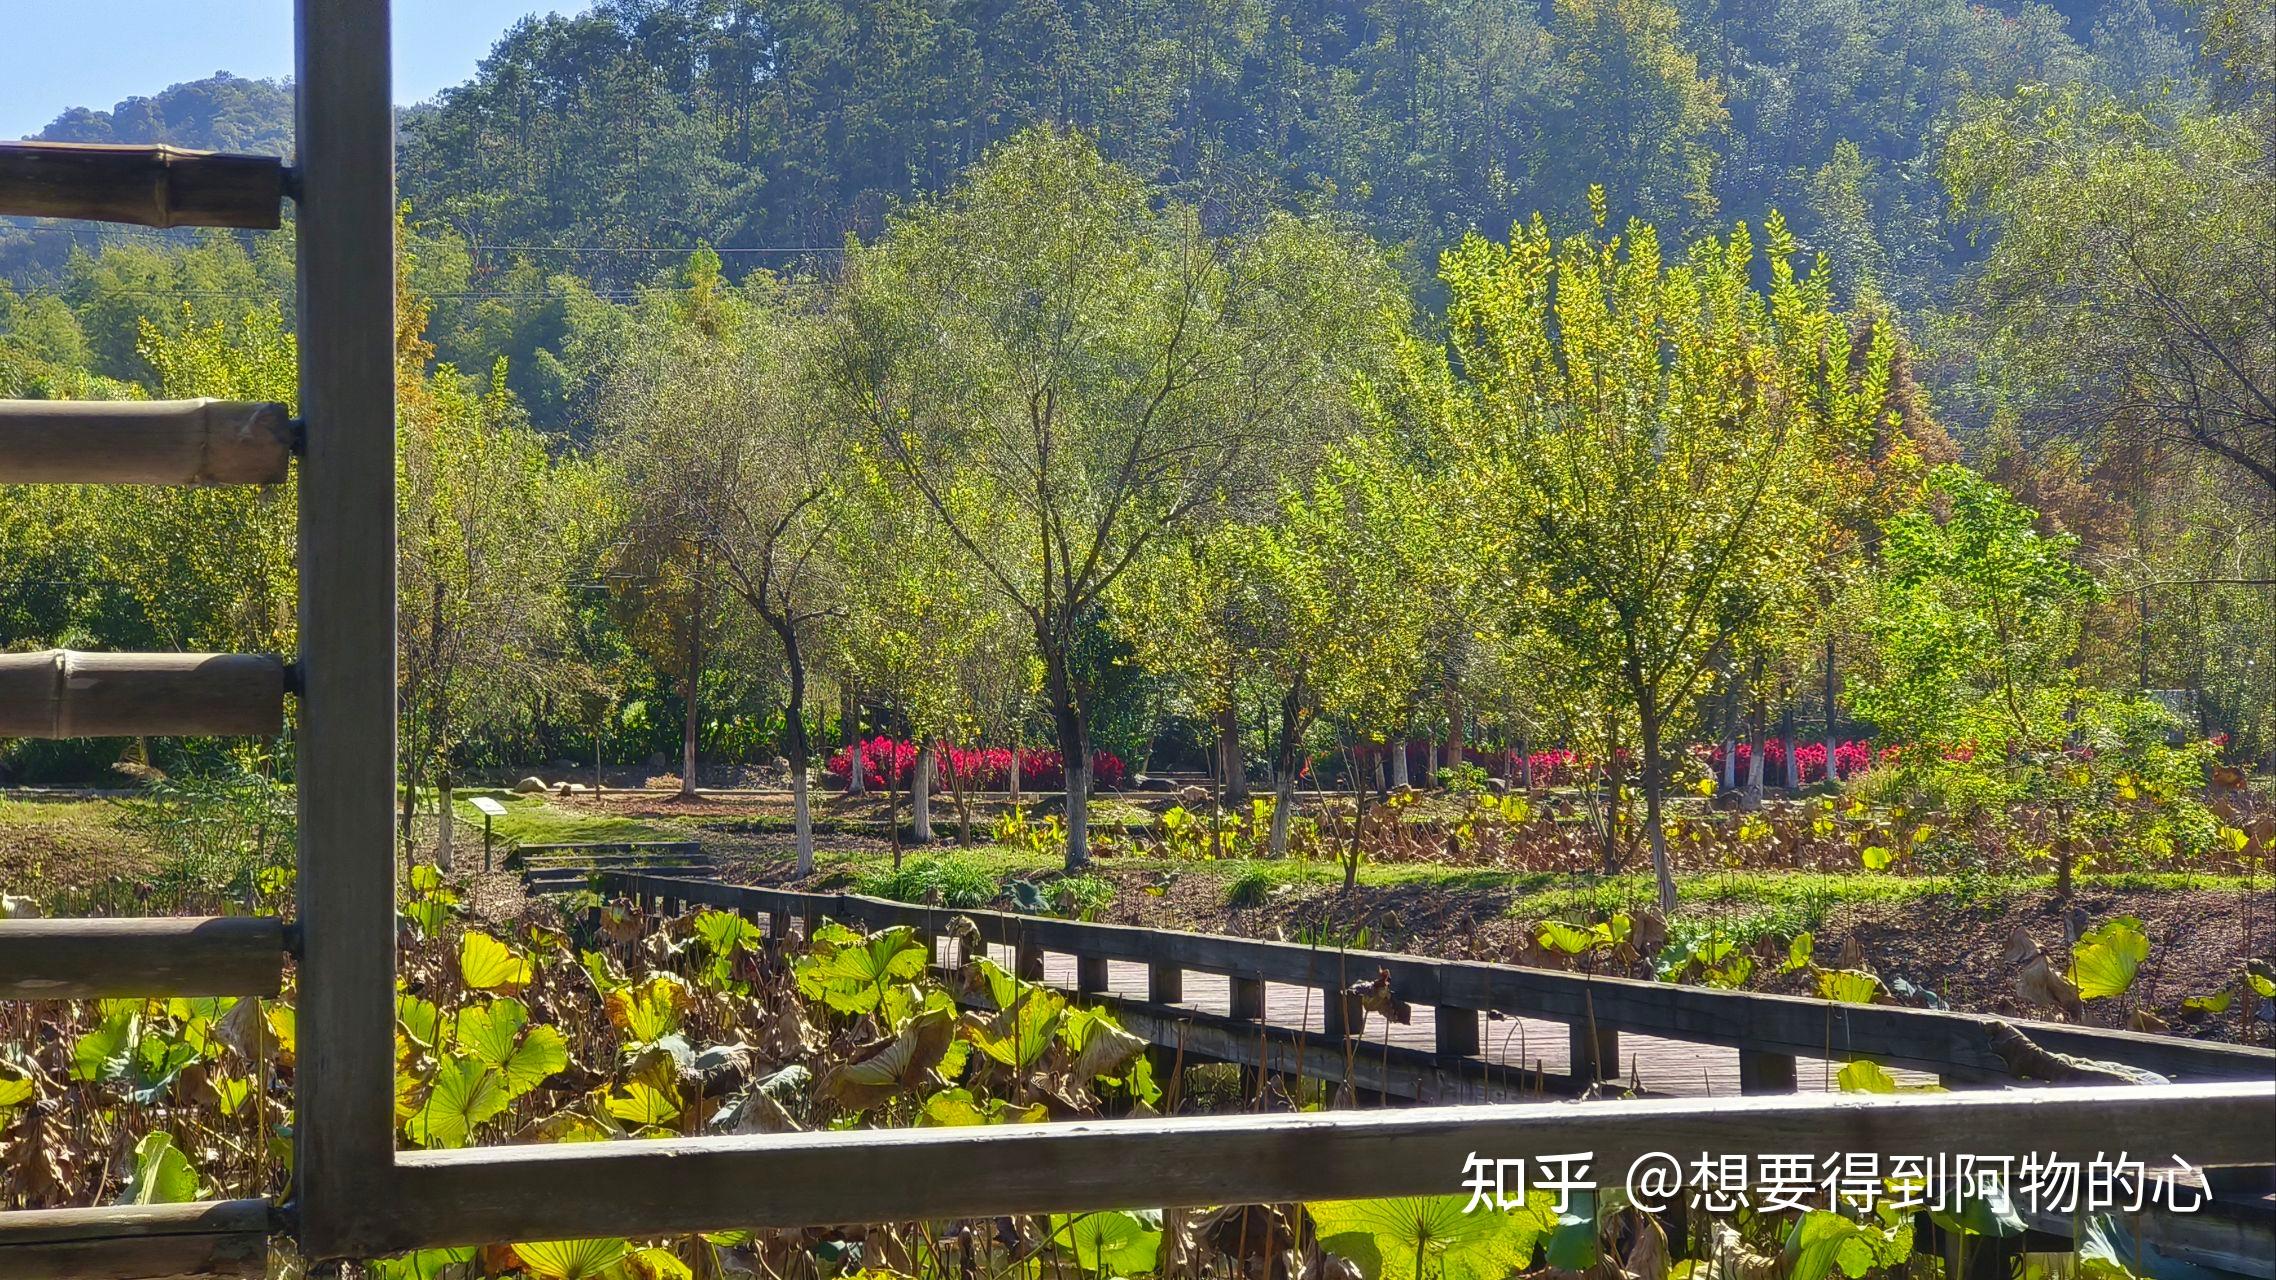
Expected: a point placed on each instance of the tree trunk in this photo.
(1833, 769)
(1079, 810)
(1399, 765)
(850, 723)
(959, 790)
(1375, 763)
(446, 825)
(1285, 760)
(1654, 784)
(1453, 728)
(1525, 757)
(1073, 726)
(598, 731)
(921, 795)
(1730, 770)
(1019, 748)
(695, 677)
(1793, 770)
(1229, 762)
(1752, 797)
(802, 819)
(801, 751)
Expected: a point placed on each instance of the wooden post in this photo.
(1766, 1072)
(1457, 1031)
(168, 442)
(1248, 999)
(778, 927)
(1090, 975)
(1335, 1013)
(1030, 962)
(60, 693)
(151, 186)
(344, 1081)
(1595, 1057)
(1165, 984)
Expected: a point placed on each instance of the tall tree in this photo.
(1068, 369)
(1668, 440)
(708, 411)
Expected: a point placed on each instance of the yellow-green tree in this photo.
(1667, 441)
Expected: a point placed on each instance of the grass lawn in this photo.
(533, 819)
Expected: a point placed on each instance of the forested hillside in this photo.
(2055, 217)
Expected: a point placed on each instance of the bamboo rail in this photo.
(151, 186)
(167, 442)
(135, 1242)
(101, 959)
(61, 693)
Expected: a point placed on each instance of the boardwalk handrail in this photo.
(1958, 1045)
(674, 1185)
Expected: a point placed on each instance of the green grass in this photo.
(96, 814)
(531, 819)
(1754, 904)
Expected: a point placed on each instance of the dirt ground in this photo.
(1948, 946)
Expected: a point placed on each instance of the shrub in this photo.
(957, 881)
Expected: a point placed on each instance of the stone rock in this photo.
(530, 786)
(1191, 796)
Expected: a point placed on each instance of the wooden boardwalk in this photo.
(1521, 1051)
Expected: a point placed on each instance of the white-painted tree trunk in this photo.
(1283, 807)
(1399, 765)
(802, 822)
(1078, 812)
(446, 828)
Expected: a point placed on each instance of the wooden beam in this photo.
(136, 1242)
(61, 693)
(150, 186)
(169, 442)
(344, 1080)
(101, 959)
(678, 1185)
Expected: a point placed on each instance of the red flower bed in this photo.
(888, 761)
(1853, 757)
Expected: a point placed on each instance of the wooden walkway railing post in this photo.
(344, 1170)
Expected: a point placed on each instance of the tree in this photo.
(1067, 370)
(718, 441)
(480, 613)
(1667, 441)
(2130, 288)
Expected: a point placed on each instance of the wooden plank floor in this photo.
(1517, 1044)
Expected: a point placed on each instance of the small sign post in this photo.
(489, 809)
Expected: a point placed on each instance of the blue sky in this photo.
(91, 53)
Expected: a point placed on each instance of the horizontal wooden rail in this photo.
(136, 1242)
(99, 959)
(1956, 1045)
(795, 1180)
(60, 693)
(151, 186)
(171, 442)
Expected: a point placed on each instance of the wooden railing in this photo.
(1769, 1031)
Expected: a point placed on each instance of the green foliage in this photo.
(950, 879)
(1659, 451)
